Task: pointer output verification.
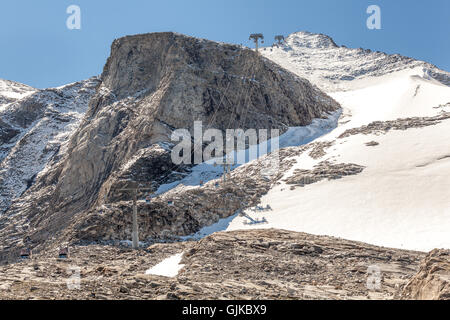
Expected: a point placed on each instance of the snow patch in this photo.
(221, 225)
(168, 267)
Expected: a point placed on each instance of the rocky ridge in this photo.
(319, 59)
(380, 127)
(11, 91)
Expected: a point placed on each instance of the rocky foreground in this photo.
(254, 264)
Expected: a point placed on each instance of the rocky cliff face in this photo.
(151, 85)
(155, 83)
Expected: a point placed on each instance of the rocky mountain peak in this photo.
(11, 91)
(310, 40)
(192, 79)
(316, 57)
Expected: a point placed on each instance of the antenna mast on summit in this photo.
(255, 37)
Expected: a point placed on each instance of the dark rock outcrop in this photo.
(381, 127)
(324, 170)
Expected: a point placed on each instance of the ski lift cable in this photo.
(246, 72)
(242, 122)
(241, 91)
(212, 118)
(223, 96)
(246, 105)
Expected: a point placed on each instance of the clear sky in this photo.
(38, 49)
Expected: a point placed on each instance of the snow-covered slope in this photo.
(400, 200)
(395, 125)
(317, 58)
(11, 91)
(402, 197)
(34, 128)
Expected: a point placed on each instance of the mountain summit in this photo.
(310, 40)
(317, 58)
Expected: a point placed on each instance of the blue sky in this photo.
(39, 50)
